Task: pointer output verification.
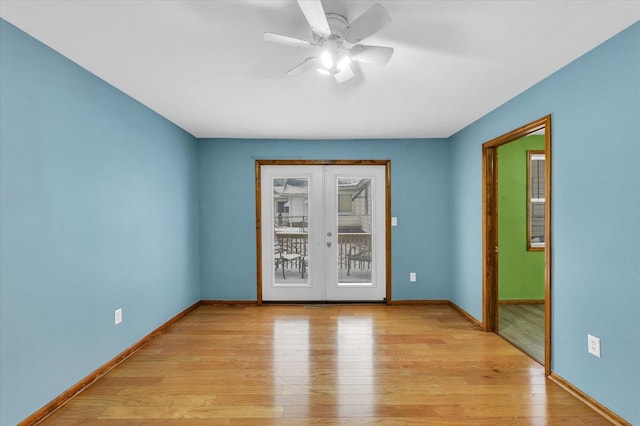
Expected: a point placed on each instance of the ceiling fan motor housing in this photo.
(338, 24)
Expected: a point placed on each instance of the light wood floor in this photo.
(523, 325)
(350, 365)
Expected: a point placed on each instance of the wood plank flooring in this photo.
(348, 365)
(523, 325)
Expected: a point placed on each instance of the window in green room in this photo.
(535, 200)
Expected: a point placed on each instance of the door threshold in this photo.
(324, 303)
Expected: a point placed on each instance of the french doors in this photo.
(323, 232)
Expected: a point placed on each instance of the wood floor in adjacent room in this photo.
(523, 325)
(348, 365)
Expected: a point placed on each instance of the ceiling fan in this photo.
(338, 40)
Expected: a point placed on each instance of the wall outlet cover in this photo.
(594, 345)
(118, 316)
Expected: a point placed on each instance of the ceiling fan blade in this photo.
(345, 74)
(314, 12)
(286, 40)
(371, 54)
(307, 64)
(370, 22)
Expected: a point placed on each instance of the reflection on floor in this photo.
(523, 325)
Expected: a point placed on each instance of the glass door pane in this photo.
(354, 230)
(290, 230)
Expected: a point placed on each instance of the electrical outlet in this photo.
(412, 277)
(118, 316)
(594, 345)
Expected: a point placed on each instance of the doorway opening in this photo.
(517, 238)
(323, 230)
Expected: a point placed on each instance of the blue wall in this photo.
(420, 198)
(595, 107)
(98, 210)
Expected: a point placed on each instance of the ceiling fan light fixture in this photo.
(343, 63)
(327, 60)
(337, 38)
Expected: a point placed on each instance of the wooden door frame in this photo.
(490, 229)
(385, 163)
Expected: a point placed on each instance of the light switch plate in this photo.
(118, 316)
(394, 221)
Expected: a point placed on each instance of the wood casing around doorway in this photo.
(490, 228)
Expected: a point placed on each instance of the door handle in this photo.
(328, 243)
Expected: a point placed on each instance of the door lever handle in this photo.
(328, 243)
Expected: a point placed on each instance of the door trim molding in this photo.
(490, 229)
(266, 162)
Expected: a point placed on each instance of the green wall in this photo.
(520, 272)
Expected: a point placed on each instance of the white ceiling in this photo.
(204, 66)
